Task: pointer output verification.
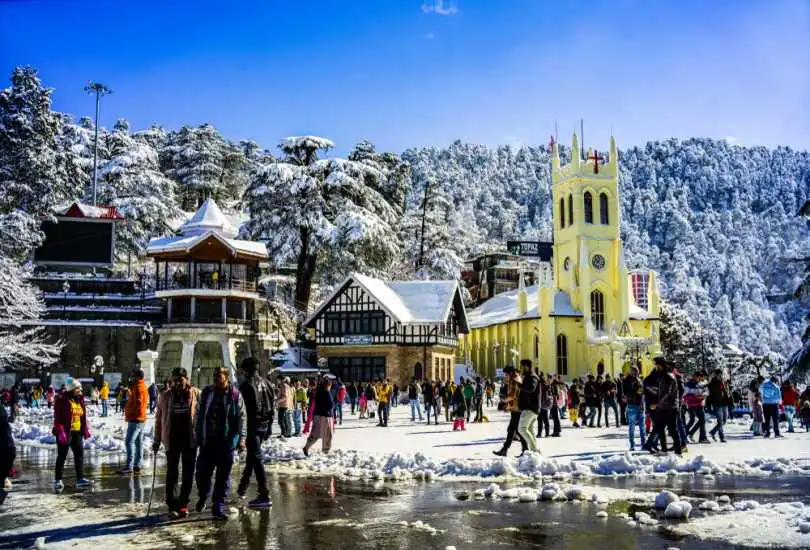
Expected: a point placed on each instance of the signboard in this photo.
(59, 379)
(535, 249)
(358, 340)
(7, 380)
(113, 379)
(498, 373)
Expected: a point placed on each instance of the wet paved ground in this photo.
(323, 513)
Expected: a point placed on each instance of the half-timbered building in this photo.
(370, 329)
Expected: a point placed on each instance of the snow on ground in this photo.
(407, 450)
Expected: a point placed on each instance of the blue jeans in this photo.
(297, 415)
(103, 407)
(721, 414)
(790, 412)
(339, 412)
(134, 444)
(415, 409)
(682, 430)
(635, 417)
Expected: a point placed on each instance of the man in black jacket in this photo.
(651, 400)
(353, 393)
(668, 406)
(529, 404)
(258, 397)
(413, 399)
(8, 452)
(633, 399)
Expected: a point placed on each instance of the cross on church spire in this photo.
(596, 158)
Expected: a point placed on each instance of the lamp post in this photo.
(141, 277)
(99, 90)
(65, 290)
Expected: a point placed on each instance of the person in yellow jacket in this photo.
(104, 396)
(383, 402)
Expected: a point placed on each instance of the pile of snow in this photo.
(421, 526)
(678, 510)
(664, 499)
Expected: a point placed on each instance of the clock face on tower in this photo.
(567, 264)
(598, 262)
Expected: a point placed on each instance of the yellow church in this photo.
(587, 314)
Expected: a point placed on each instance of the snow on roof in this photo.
(563, 306)
(80, 210)
(636, 312)
(208, 218)
(186, 243)
(503, 308)
(409, 302)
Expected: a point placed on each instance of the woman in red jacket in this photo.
(71, 428)
(790, 399)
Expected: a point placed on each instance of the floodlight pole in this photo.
(99, 90)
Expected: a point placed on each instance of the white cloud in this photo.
(439, 8)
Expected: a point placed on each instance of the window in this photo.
(570, 209)
(640, 282)
(604, 219)
(536, 347)
(354, 322)
(588, 203)
(598, 310)
(359, 369)
(562, 213)
(562, 355)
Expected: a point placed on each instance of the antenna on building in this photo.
(582, 138)
(556, 136)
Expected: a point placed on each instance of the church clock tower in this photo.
(588, 263)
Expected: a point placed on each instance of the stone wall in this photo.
(117, 345)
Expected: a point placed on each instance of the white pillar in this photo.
(193, 309)
(187, 358)
(147, 359)
(229, 356)
(244, 310)
(169, 310)
(224, 311)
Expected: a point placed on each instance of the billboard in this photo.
(536, 249)
(73, 241)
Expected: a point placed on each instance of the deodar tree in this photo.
(308, 209)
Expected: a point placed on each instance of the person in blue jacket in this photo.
(771, 398)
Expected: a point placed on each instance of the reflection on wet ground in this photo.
(324, 513)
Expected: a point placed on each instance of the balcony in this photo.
(205, 278)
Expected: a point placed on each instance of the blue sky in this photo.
(410, 73)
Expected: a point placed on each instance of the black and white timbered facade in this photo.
(361, 327)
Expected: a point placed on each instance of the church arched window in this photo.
(570, 209)
(604, 219)
(598, 310)
(562, 355)
(562, 213)
(588, 204)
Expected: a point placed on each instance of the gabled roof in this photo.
(80, 210)
(174, 243)
(407, 302)
(503, 308)
(208, 218)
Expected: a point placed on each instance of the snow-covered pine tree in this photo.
(203, 164)
(692, 347)
(131, 181)
(37, 171)
(305, 208)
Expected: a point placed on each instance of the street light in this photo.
(65, 289)
(99, 90)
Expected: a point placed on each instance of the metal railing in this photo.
(181, 283)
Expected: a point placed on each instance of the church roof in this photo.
(408, 302)
(503, 308)
(208, 218)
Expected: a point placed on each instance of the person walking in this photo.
(694, 399)
(323, 426)
(609, 392)
(413, 400)
(620, 398)
(447, 399)
(633, 395)
(284, 401)
(460, 411)
(71, 428)
(718, 397)
(771, 399)
(430, 395)
(153, 395)
(175, 420)
(14, 403)
(478, 401)
(511, 403)
(790, 399)
(573, 403)
(469, 393)
(104, 396)
(668, 406)
(489, 390)
(558, 398)
(8, 452)
(340, 397)
(135, 415)
(258, 398)
(545, 406)
(529, 404)
(221, 429)
(395, 395)
(650, 385)
(353, 393)
(383, 399)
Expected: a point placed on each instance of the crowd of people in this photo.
(202, 430)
